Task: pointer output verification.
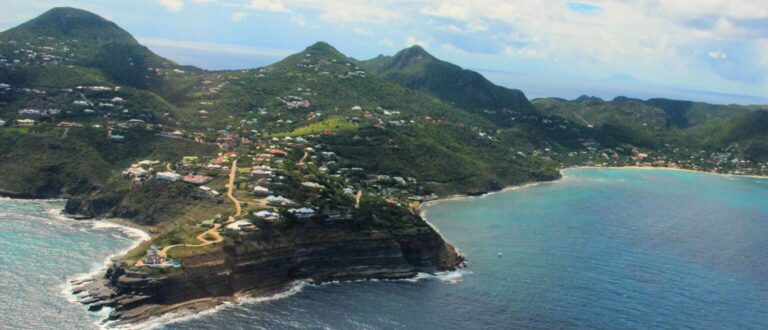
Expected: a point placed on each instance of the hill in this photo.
(415, 68)
(81, 46)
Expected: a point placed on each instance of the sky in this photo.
(705, 50)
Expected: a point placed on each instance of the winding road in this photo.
(214, 231)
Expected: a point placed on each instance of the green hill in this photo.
(77, 42)
(415, 68)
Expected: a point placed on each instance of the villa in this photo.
(168, 176)
(197, 179)
(302, 213)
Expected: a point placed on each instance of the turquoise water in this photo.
(600, 249)
(40, 253)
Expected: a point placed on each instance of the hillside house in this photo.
(197, 179)
(25, 122)
(167, 176)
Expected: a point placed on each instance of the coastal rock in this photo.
(268, 267)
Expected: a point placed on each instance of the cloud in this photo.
(213, 47)
(718, 54)
(412, 41)
(386, 42)
(477, 26)
(524, 53)
(268, 5)
(451, 28)
(453, 11)
(238, 16)
(362, 31)
(299, 20)
(583, 8)
(453, 49)
(172, 5)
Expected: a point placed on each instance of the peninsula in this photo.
(313, 167)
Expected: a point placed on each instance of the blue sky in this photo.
(710, 50)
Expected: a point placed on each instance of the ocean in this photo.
(599, 249)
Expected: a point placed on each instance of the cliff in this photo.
(266, 267)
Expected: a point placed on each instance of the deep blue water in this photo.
(600, 249)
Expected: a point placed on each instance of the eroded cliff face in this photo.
(264, 268)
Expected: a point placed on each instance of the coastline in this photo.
(674, 169)
(205, 306)
(423, 213)
(562, 171)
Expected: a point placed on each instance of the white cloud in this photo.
(213, 47)
(386, 42)
(299, 20)
(453, 49)
(172, 5)
(718, 54)
(455, 11)
(238, 16)
(412, 41)
(477, 26)
(362, 31)
(523, 52)
(268, 5)
(451, 27)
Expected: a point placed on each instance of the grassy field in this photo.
(335, 124)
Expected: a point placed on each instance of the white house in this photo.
(302, 213)
(168, 176)
(261, 191)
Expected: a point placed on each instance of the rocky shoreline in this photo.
(137, 295)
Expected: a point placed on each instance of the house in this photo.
(302, 213)
(278, 152)
(242, 225)
(30, 113)
(167, 176)
(357, 108)
(266, 215)
(261, 191)
(313, 185)
(207, 192)
(279, 200)
(259, 173)
(135, 172)
(2, 122)
(153, 257)
(25, 122)
(197, 179)
(190, 160)
(69, 124)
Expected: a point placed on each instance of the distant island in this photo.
(314, 167)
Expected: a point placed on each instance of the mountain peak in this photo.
(322, 47)
(71, 23)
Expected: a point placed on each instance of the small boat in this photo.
(499, 255)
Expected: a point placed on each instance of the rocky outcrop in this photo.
(257, 267)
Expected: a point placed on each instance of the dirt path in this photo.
(582, 119)
(301, 162)
(202, 238)
(214, 232)
(230, 188)
(357, 198)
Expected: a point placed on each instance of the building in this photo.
(242, 225)
(153, 257)
(302, 213)
(25, 122)
(167, 176)
(261, 191)
(267, 215)
(197, 179)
